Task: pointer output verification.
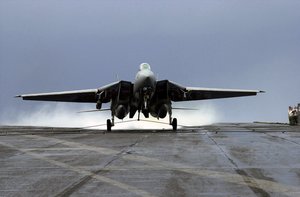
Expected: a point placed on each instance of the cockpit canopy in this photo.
(145, 66)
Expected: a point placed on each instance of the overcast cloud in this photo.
(65, 45)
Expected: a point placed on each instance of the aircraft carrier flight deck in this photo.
(230, 159)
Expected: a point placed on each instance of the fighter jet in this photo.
(146, 94)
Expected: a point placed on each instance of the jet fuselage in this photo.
(145, 81)
(144, 87)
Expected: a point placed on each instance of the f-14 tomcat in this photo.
(145, 94)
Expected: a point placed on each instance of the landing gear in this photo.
(174, 124)
(173, 121)
(108, 124)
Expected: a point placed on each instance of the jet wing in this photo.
(181, 93)
(81, 96)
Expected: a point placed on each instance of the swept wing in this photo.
(80, 96)
(181, 93)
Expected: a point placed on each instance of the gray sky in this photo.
(65, 45)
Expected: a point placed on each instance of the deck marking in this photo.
(160, 164)
(82, 172)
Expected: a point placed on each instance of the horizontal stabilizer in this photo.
(184, 108)
(94, 110)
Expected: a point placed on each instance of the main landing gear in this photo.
(173, 121)
(110, 123)
(174, 124)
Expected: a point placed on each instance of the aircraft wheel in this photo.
(108, 124)
(174, 124)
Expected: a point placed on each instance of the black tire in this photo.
(174, 124)
(108, 124)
